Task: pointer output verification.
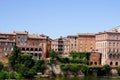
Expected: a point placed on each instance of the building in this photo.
(73, 42)
(95, 58)
(7, 41)
(108, 43)
(62, 45)
(37, 45)
(86, 42)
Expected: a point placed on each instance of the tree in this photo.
(53, 54)
(39, 66)
(13, 58)
(118, 69)
(106, 69)
(1, 66)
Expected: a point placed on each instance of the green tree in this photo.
(53, 54)
(13, 58)
(1, 66)
(39, 66)
(118, 69)
(106, 69)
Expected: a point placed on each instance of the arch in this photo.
(31, 49)
(95, 63)
(36, 49)
(40, 49)
(27, 49)
(91, 63)
(116, 63)
(111, 63)
(23, 49)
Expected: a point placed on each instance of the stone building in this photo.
(108, 43)
(37, 45)
(61, 45)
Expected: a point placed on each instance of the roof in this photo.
(35, 36)
(7, 33)
(86, 34)
(18, 32)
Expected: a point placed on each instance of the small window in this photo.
(111, 63)
(116, 63)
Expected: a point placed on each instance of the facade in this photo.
(108, 43)
(86, 42)
(73, 42)
(61, 45)
(7, 41)
(37, 45)
(95, 58)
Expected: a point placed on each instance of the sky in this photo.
(57, 18)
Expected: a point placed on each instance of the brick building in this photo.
(37, 45)
(86, 42)
(95, 58)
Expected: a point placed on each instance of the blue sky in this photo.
(57, 18)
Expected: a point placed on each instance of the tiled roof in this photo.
(37, 36)
(8, 33)
(17, 32)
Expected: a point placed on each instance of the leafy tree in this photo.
(106, 69)
(118, 69)
(1, 66)
(53, 54)
(39, 66)
(13, 59)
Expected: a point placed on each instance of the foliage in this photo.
(39, 65)
(3, 74)
(1, 66)
(106, 69)
(24, 64)
(118, 69)
(64, 59)
(81, 55)
(74, 68)
(53, 54)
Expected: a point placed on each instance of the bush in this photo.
(118, 69)
(3, 74)
(106, 69)
(74, 68)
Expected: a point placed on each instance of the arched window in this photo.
(23, 49)
(31, 49)
(91, 63)
(40, 49)
(35, 49)
(95, 63)
(111, 63)
(27, 49)
(116, 63)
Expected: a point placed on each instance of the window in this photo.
(111, 63)
(116, 63)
